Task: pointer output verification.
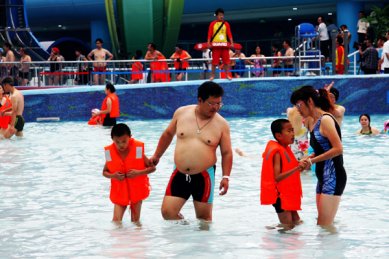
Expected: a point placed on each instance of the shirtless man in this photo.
(339, 110)
(24, 72)
(288, 63)
(99, 54)
(158, 68)
(17, 100)
(200, 129)
(9, 57)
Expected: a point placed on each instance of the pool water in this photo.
(54, 200)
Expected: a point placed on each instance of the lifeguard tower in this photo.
(308, 55)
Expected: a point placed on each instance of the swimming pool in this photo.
(54, 200)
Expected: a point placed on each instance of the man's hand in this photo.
(154, 160)
(223, 188)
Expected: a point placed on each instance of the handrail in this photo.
(159, 60)
(354, 56)
(49, 73)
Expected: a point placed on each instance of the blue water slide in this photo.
(18, 32)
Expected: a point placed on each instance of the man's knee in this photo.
(168, 213)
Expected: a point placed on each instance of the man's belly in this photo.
(194, 158)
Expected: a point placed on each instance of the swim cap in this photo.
(55, 50)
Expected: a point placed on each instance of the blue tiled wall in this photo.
(248, 97)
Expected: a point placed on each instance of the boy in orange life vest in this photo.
(126, 166)
(280, 178)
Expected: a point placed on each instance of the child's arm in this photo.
(117, 175)
(278, 176)
(133, 172)
(150, 167)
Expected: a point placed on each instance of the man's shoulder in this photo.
(187, 107)
(220, 119)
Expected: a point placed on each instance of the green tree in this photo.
(379, 19)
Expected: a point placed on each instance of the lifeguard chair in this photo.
(308, 49)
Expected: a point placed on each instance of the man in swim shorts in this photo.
(17, 100)
(200, 130)
(99, 55)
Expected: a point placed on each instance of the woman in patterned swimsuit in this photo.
(326, 141)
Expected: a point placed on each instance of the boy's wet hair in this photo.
(277, 126)
(208, 89)
(7, 80)
(119, 130)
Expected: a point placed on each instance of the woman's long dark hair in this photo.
(319, 97)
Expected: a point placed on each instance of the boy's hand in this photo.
(132, 173)
(304, 164)
(119, 176)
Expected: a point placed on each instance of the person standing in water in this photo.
(200, 130)
(328, 151)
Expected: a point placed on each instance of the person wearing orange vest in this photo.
(280, 176)
(126, 166)
(5, 106)
(159, 69)
(109, 111)
(136, 68)
(218, 32)
(181, 63)
(339, 63)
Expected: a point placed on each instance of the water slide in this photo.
(149, 21)
(112, 26)
(17, 31)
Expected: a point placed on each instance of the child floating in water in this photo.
(280, 176)
(126, 166)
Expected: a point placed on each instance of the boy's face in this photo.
(7, 87)
(287, 134)
(121, 142)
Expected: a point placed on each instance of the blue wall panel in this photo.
(242, 98)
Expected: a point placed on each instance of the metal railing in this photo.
(71, 73)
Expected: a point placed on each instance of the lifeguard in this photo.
(218, 32)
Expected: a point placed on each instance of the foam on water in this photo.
(54, 200)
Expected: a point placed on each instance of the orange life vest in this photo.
(137, 71)
(184, 63)
(115, 111)
(5, 120)
(289, 189)
(129, 190)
